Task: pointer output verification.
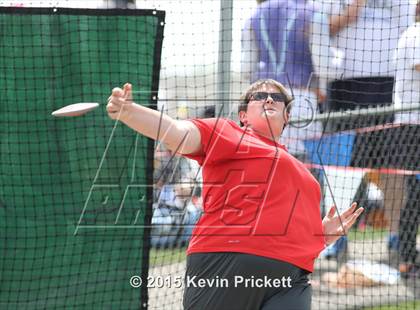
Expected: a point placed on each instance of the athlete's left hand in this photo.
(336, 226)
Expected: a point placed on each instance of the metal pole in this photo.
(346, 114)
(224, 58)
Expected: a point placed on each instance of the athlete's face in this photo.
(266, 114)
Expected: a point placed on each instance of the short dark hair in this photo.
(243, 104)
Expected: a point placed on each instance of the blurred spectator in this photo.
(172, 225)
(169, 168)
(164, 176)
(192, 213)
(175, 202)
(288, 41)
(367, 31)
(407, 75)
(407, 91)
(164, 233)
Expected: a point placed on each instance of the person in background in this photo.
(172, 225)
(407, 139)
(288, 41)
(173, 179)
(367, 32)
(165, 175)
(192, 213)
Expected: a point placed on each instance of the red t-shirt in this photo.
(257, 198)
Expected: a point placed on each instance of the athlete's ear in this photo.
(286, 117)
(243, 118)
(286, 113)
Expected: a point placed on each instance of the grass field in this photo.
(411, 305)
(368, 234)
(159, 257)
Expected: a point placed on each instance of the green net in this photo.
(68, 186)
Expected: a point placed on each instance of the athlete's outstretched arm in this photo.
(181, 136)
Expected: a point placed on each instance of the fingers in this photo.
(331, 212)
(350, 222)
(345, 215)
(128, 93)
(113, 110)
(350, 210)
(125, 92)
(119, 97)
(117, 92)
(354, 217)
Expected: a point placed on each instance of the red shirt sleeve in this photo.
(216, 142)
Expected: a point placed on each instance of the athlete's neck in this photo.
(271, 135)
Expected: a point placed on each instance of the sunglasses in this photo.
(277, 97)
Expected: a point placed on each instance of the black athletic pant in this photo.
(409, 221)
(410, 214)
(356, 93)
(241, 281)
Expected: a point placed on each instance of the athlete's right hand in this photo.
(119, 100)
